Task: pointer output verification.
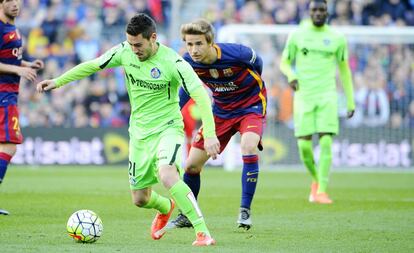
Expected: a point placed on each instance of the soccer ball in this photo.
(85, 226)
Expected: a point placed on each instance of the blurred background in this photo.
(86, 122)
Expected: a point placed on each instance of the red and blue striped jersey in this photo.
(10, 53)
(234, 80)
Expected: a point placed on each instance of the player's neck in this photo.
(155, 48)
(212, 56)
(5, 19)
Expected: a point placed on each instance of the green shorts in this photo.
(315, 116)
(147, 155)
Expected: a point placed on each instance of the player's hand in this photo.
(294, 85)
(212, 147)
(45, 86)
(28, 73)
(37, 64)
(350, 114)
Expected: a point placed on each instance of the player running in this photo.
(232, 73)
(12, 67)
(154, 74)
(316, 49)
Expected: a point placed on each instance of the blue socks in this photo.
(4, 162)
(193, 181)
(249, 179)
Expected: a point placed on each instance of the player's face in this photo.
(142, 47)
(318, 12)
(197, 47)
(10, 8)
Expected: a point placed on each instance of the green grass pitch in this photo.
(373, 212)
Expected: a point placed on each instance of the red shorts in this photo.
(9, 125)
(226, 128)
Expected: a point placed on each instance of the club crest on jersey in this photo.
(155, 73)
(214, 73)
(227, 72)
(326, 42)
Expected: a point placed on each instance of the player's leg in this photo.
(196, 160)
(10, 136)
(142, 175)
(325, 161)
(169, 162)
(193, 166)
(7, 150)
(198, 156)
(327, 125)
(304, 121)
(251, 129)
(306, 155)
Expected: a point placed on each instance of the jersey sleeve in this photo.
(342, 52)
(250, 57)
(186, 76)
(184, 97)
(112, 57)
(345, 73)
(288, 55)
(289, 52)
(192, 87)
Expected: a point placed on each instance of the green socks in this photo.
(186, 202)
(158, 202)
(325, 161)
(306, 155)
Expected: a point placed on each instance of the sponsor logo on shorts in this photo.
(132, 181)
(197, 138)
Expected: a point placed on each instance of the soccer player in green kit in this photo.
(154, 74)
(316, 49)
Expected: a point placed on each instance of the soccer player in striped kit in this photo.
(12, 68)
(232, 72)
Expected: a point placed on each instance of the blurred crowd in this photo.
(67, 32)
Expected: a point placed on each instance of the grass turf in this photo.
(373, 212)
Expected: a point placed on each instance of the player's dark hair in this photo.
(143, 24)
(319, 1)
(198, 27)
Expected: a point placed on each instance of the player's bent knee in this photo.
(249, 149)
(193, 170)
(140, 202)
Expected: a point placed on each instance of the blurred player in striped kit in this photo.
(12, 67)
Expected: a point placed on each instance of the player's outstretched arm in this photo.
(76, 73)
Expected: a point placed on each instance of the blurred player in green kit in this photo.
(309, 61)
(154, 74)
